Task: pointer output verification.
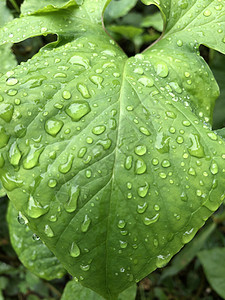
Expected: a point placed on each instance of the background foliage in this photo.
(197, 272)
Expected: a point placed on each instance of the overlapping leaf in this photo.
(112, 160)
(34, 255)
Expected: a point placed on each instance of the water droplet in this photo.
(85, 268)
(82, 152)
(149, 221)
(180, 140)
(14, 154)
(142, 208)
(53, 126)
(162, 175)
(89, 140)
(196, 149)
(161, 260)
(143, 190)
(161, 69)
(140, 150)
(175, 86)
(214, 168)
(6, 112)
(80, 60)
(179, 43)
(22, 219)
(78, 110)
(86, 223)
(139, 71)
(162, 143)
(48, 231)
(12, 92)
(191, 171)
(186, 123)
(121, 224)
(123, 244)
(156, 243)
(82, 88)
(88, 173)
(60, 75)
(35, 209)
(145, 81)
(140, 167)
(35, 237)
(97, 80)
(11, 81)
(171, 114)
(17, 101)
(32, 158)
(99, 129)
(52, 183)
(106, 144)
(188, 236)
(166, 163)
(129, 162)
(213, 136)
(75, 250)
(66, 167)
(145, 131)
(155, 161)
(71, 205)
(207, 13)
(183, 197)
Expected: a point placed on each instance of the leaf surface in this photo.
(112, 160)
(34, 255)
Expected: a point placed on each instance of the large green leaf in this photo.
(32, 252)
(112, 160)
(213, 262)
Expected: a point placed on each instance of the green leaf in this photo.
(112, 160)
(213, 262)
(8, 60)
(117, 9)
(154, 21)
(187, 254)
(31, 7)
(127, 31)
(194, 20)
(2, 191)
(74, 290)
(221, 132)
(34, 255)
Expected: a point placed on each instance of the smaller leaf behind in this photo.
(213, 262)
(74, 290)
(34, 255)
